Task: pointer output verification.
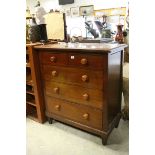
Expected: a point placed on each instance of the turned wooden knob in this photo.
(85, 96)
(86, 116)
(57, 107)
(84, 61)
(54, 73)
(84, 78)
(56, 90)
(53, 59)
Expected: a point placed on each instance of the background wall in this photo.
(76, 24)
(98, 4)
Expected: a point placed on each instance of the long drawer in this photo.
(81, 77)
(90, 97)
(79, 113)
(94, 61)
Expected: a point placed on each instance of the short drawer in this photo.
(53, 58)
(85, 96)
(70, 75)
(87, 60)
(82, 114)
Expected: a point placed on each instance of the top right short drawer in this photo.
(87, 60)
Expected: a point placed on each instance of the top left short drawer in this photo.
(53, 58)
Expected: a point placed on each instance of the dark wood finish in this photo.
(28, 65)
(101, 48)
(75, 124)
(30, 82)
(84, 77)
(31, 103)
(53, 58)
(86, 61)
(83, 114)
(74, 93)
(72, 59)
(30, 92)
(31, 112)
(34, 99)
(83, 86)
(114, 84)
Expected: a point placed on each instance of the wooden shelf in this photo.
(33, 117)
(31, 111)
(30, 92)
(28, 65)
(33, 94)
(27, 51)
(30, 83)
(31, 103)
(30, 99)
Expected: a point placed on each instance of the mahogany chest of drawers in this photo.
(82, 85)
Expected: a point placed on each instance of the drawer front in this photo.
(79, 113)
(87, 60)
(81, 77)
(53, 58)
(91, 97)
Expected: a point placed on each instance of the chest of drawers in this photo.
(82, 86)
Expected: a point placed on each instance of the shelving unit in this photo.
(34, 95)
(110, 12)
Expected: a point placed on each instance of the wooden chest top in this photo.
(85, 47)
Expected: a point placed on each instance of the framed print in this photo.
(68, 13)
(86, 10)
(74, 11)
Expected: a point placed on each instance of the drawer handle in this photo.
(53, 59)
(57, 107)
(85, 96)
(84, 61)
(84, 78)
(54, 73)
(86, 116)
(56, 90)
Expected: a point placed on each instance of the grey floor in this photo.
(60, 139)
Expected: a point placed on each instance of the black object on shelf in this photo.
(43, 32)
(34, 32)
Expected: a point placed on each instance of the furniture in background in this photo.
(125, 110)
(126, 51)
(34, 98)
(34, 31)
(28, 17)
(113, 12)
(82, 84)
(119, 35)
(56, 26)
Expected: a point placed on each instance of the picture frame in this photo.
(74, 11)
(68, 12)
(86, 10)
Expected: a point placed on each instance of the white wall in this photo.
(76, 22)
(98, 4)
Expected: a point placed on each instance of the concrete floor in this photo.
(60, 139)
